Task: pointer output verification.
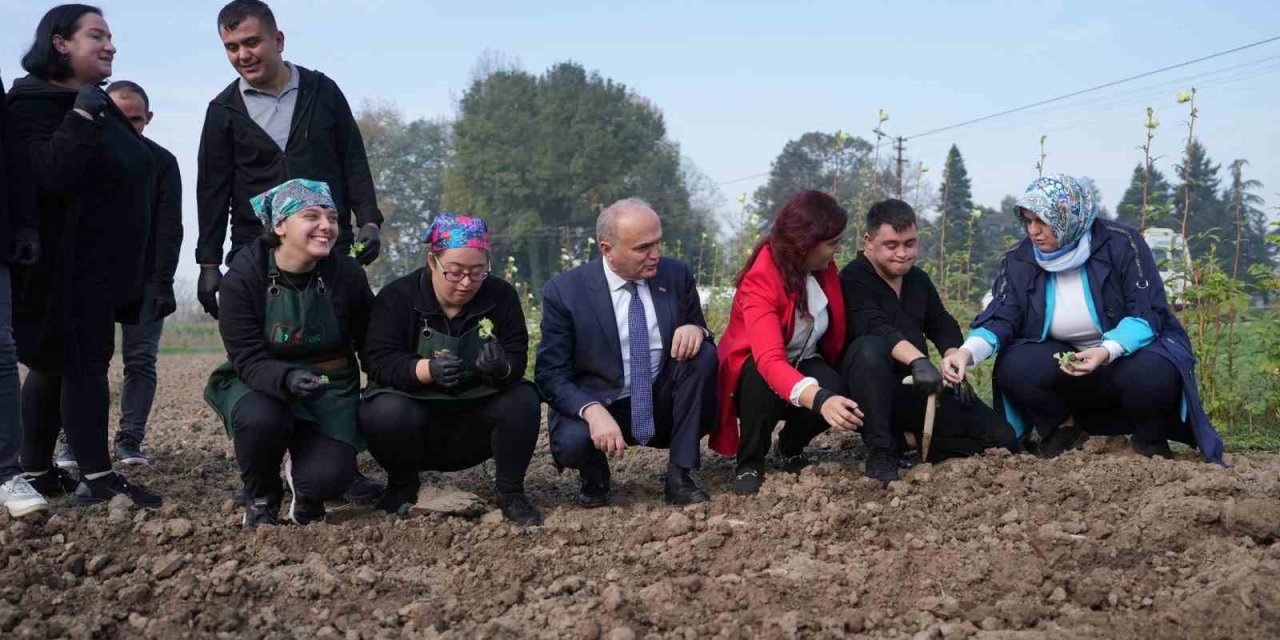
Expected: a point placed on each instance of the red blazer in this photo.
(760, 325)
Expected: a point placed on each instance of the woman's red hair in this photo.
(808, 219)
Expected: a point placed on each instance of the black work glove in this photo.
(925, 376)
(492, 365)
(304, 384)
(207, 289)
(165, 301)
(26, 246)
(369, 241)
(964, 392)
(446, 370)
(91, 99)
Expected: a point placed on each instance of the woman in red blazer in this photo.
(784, 337)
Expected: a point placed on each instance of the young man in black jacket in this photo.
(275, 122)
(892, 308)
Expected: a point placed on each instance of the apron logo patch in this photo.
(292, 335)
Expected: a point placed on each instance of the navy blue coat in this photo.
(1123, 281)
(579, 358)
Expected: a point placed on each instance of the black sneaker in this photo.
(302, 510)
(517, 508)
(1153, 449)
(793, 463)
(54, 483)
(364, 490)
(398, 497)
(99, 490)
(882, 465)
(747, 481)
(1062, 440)
(261, 512)
(129, 451)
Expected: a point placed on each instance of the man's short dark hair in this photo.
(238, 11)
(42, 60)
(129, 86)
(892, 212)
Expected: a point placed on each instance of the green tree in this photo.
(1249, 224)
(1209, 223)
(1159, 201)
(831, 162)
(539, 156)
(408, 161)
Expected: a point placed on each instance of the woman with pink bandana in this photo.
(446, 354)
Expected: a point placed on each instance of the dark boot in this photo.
(882, 465)
(593, 491)
(517, 508)
(682, 489)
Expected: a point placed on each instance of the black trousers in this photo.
(760, 409)
(684, 410)
(1139, 394)
(78, 405)
(406, 435)
(892, 408)
(265, 429)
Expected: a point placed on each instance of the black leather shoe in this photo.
(1153, 449)
(1062, 440)
(882, 465)
(398, 497)
(261, 512)
(681, 488)
(793, 463)
(747, 480)
(109, 486)
(517, 508)
(364, 490)
(593, 492)
(54, 483)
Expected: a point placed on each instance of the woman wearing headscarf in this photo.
(293, 317)
(1085, 340)
(82, 183)
(779, 353)
(446, 357)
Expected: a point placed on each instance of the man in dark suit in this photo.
(626, 358)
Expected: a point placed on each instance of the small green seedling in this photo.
(356, 249)
(1065, 358)
(486, 329)
(324, 379)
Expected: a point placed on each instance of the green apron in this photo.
(466, 347)
(300, 328)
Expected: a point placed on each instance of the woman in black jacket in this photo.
(293, 316)
(82, 183)
(446, 355)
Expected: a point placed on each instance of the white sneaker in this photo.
(20, 498)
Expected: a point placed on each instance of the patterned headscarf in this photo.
(453, 231)
(289, 198)
(1064, 203)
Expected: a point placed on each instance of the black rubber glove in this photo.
(492, 365)
(26, 246)
(925, 376)
(91, 100)
(446, 370)
(369, 238)
(207, 289)
(304, 384)
(165, 301)
(964, 392)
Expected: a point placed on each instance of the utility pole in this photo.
(902, 146)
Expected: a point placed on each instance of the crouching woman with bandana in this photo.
(293, 315)
(446, 355)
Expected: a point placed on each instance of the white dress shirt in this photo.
(621, 310)
(807, 333)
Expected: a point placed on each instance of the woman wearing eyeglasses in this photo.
(293, 315)
(446, 354)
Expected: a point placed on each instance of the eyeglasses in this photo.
(477, 274)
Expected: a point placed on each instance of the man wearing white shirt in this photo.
(626, 359)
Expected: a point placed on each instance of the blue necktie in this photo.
(641, 369)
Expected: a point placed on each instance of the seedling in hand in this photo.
(486, 329)
(324, 379)
(357, 248)
(1065, 358)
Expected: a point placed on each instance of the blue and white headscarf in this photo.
(1069, 207)
(289, 198)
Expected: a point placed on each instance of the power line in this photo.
(1092, 89)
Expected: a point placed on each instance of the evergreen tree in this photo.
(955, 206)
(1209, 225)
(1248, 240)
(1159, 201)
(831, 162)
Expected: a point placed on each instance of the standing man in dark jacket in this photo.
(140, 341)
(277, 121)
(893, 308)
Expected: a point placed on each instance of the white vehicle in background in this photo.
(1173, 260)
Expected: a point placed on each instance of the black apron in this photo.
(466, 347)
(300, 327)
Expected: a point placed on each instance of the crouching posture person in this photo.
(293, 315)
(893, 307)
(446, 356)
(1086, 342)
